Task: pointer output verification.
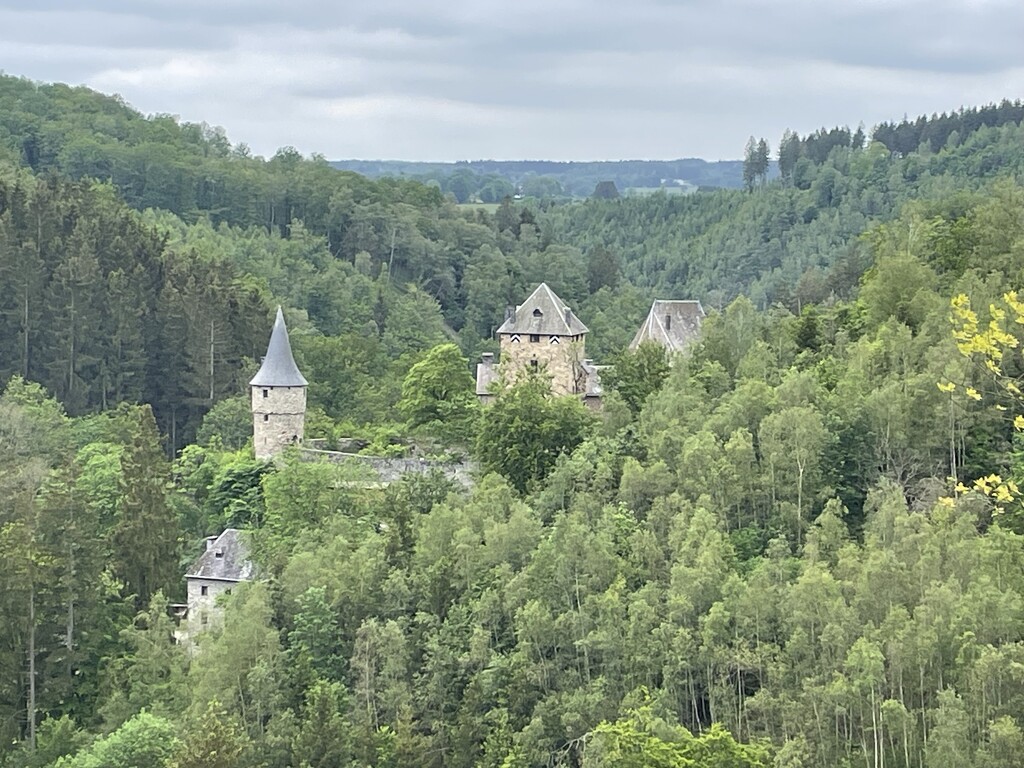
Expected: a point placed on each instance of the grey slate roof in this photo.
(279, 368)
(232, 564)
(673, 324)
(545, 314)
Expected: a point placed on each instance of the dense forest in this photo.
(799, 544)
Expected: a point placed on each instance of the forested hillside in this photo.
(800, 544)
(798, 241)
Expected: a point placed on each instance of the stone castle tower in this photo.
(278, 396)
(542, 334)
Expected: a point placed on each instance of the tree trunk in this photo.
(32, 666)
(211, 362)
(799, 503)
(24, 351)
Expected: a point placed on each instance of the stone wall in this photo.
(203, 611)
(278, 418)
(562, 360)
(388, 470)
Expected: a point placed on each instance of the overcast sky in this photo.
(523, 79)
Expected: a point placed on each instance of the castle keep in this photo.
(541, 335)
(278, 396)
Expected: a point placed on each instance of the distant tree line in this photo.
(935, 131)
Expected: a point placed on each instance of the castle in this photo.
(541, 335)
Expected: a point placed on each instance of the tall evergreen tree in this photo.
(146, 538)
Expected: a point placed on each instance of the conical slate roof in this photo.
(279, 368)
(543, 313)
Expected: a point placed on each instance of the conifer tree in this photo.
(146, 536)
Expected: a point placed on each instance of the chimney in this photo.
(588, 362)
(209, 542)
(487, 358)
(510, 313)
(568, 317)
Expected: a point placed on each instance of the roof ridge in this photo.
(557, 300)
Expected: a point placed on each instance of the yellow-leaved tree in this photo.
(992, 344)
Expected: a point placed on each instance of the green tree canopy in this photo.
(438, 394)
(636, 374)
(526, 429)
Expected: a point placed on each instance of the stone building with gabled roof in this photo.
(223, 564)
(278, 396)
(672, 324)
(542, 334)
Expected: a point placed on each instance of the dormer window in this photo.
(668, 322)
(538, 313)
(219, 553)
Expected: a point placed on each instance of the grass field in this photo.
(489, 207)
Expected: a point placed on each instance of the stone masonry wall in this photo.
(279, 416)
(203, 610)
(561, 361)
(389, 470)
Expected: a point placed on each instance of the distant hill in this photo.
(574, 179)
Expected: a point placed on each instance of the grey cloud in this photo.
(103, 30)
(572, 78)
